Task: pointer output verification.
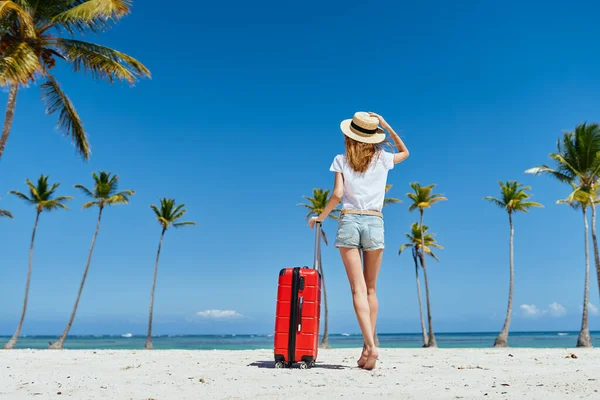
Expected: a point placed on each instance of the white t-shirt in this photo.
(364, 191)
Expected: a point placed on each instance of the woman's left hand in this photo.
(311, 222)
(382, 121)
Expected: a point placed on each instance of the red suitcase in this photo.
(298, 313)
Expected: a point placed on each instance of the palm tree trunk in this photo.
(325, 340)
(149, 338)
(59, 343)
(8, 116)
(423, 331)
(584, 339)
(13, 340)
(595, 241)
(431, 342)
(502, 339)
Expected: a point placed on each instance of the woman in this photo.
(360, 180)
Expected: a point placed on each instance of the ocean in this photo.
(249, 342)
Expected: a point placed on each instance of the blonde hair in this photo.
(360, 155)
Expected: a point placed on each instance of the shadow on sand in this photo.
(318, 365)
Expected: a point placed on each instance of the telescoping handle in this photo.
(317, 261)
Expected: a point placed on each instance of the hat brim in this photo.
(372, 139)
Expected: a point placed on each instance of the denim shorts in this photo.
(357, 231)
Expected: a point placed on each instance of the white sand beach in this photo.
(401, 374)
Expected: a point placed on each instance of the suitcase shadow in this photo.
(318, 365)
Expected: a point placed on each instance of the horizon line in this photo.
(271, 334)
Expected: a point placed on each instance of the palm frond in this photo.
(24, 4)
(391, 200)
(437, 199)
(580, 197)
(495, 201)
(91, 14)
(155, 209)
(90, 204)
(21, 196)
(544, 169)
(18, 64)
(6, 213)
(333, 216)
(52, 189)
(120, 198)
(530, 204)
(324, 236)
(68, 120)
(53, 204)
(433, 255)
(178, 212)
(565, 164)
(26, 22)
(180, 224)
(177, 215)
(102, 62)
(33, 189)
(85, 190)
(63, 198)
(404, 247)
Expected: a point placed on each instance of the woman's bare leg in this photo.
(358, 286)
(371, 272)
(372, 265)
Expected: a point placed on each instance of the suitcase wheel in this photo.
(303, 365)
(279, 364)
(312, 364)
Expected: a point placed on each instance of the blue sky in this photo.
(241, 118)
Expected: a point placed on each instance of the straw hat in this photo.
(363, 128)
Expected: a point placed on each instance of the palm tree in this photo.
(580, 200)
(316, 205)
(390, 200)
(103, 194)
(41, 196)
(513, 199)
(415, 243)
(577, 161)
(167, 216)
(32, 40)
(423, 198)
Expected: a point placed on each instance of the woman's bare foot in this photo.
(371, 359)
(363, 357)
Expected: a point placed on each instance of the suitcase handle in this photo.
(300, 314)
(317, 261)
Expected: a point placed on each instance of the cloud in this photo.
(592, 310)
(530, 311)
(218, 314)
(557, 310)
